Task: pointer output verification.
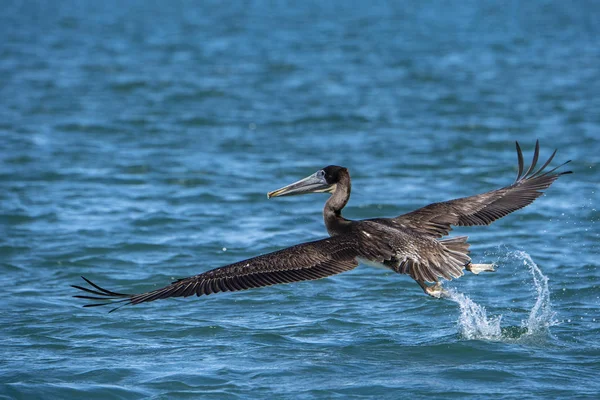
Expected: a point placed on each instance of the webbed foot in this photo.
(477, 268)
(437, 291)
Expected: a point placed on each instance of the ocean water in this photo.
(138, 141)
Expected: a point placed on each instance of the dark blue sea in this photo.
(138, 140)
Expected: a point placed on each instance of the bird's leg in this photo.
(436, 290)
(477, 268)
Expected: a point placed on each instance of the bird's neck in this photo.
(332, 213)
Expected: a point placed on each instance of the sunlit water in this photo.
(138, 141)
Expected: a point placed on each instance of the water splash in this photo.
(473, 322)
(541, 316)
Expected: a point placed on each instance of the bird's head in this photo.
(322, 181)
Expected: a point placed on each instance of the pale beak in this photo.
(310, 184)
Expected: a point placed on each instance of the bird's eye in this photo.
(321, 174)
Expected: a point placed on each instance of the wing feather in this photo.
(307, 261)
(437, 219)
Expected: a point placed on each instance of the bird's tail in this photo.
(457, 244)
(457, 251)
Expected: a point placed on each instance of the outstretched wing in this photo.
(483, 209)
(307, 261)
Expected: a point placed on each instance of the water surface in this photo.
(139, 141)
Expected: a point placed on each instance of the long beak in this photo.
(310, 184)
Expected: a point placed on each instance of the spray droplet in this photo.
(473, 321)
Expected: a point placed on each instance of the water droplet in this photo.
(473, 321)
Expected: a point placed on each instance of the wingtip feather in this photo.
(536, 154)
(520, 159)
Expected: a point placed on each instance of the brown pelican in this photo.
(409, 244)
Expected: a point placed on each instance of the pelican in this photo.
(409, 244)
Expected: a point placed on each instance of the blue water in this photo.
(139, 139)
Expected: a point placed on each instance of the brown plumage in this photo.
(408, 244)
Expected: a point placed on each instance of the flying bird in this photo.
(410, 244)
